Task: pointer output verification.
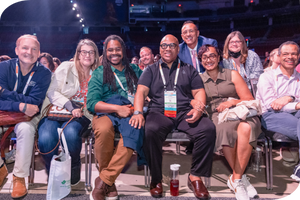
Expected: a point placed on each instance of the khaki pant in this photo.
(111, 160)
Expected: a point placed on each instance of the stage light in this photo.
(78, 15)
(132, 5)
(81, 19)
(82, 25)
(71, 1)
(73, 8)
(179, 5)
(251, 1)
(75, 5)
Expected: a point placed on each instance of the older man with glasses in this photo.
(177, 102)
(191, 45)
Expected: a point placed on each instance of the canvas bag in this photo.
(59, 184)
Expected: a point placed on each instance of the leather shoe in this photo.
(156, 190)
(111, 193)
(19, 187)
(198, 188)
(3, 173)
(99, 190)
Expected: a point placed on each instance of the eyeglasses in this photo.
(171, 45)
(211, 57)
(235, 42)
(188, 31)
(84, 53)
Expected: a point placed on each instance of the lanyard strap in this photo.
(120, 83)
(176, 76)
(27, 83)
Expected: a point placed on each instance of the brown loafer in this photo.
(3, 173)
(19, 187)
(99, 190)
(156, 190)
(111, 193)
(198, 188)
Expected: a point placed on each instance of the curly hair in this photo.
(108, 75)
(205, 48)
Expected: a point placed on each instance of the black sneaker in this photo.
(75, 175)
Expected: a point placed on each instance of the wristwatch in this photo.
(137, 112)
(293, 98)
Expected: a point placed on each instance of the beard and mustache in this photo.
(114, 55)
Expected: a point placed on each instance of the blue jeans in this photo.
(48, 138)
(285, 123)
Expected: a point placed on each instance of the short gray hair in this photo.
(288, 43)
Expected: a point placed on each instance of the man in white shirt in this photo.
(279, 93)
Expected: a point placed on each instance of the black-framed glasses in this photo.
(171, 45)
(84, 53)
(211, 57)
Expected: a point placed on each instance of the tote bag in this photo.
(59, 184)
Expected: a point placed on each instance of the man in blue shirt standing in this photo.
(23, 86)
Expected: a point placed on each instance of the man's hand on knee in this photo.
(137, 121)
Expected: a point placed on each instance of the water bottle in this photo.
(174, 182)
(257, 159)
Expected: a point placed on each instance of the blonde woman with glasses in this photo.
(236, 56)
(68, 89)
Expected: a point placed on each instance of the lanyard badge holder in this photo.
(130, 96)
(17, 76)
(170, 97)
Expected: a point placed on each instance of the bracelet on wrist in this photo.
(24, 108)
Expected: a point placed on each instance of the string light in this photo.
(78, 12)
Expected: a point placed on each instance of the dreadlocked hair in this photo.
(108, 75)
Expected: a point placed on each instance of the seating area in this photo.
(132, 179)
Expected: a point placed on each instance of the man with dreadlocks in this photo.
(110, 93)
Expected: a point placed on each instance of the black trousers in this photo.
(202, 133)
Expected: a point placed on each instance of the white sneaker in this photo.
(238, 188)
(252, 193)
(289, 154)
(10, 157)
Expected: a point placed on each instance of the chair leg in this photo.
(86, 162)
(177, 147)
(90, 163)
(147, 176)
(31, 170)
(271, 164)
(207, 182)
(266, 145)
